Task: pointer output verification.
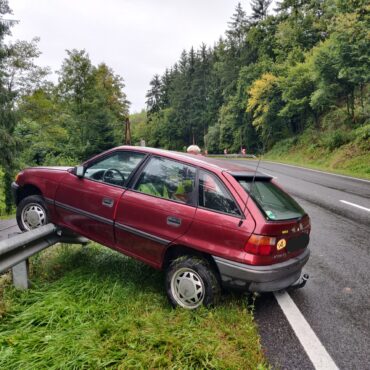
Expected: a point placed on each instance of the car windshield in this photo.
(275, 204)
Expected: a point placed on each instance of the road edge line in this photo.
(315, 350)
(355, 205)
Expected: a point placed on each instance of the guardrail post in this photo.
(20, 275)
(20, 272)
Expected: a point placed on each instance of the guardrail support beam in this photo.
(15, 251)
(20, 275)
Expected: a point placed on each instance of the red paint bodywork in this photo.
(203, 230)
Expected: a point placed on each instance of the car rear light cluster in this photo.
(261, 245)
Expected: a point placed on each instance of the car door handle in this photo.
(108, 202)
(173, 221)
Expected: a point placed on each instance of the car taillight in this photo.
(261, 245)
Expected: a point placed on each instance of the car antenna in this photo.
(253, 180)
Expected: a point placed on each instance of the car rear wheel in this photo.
(192, 282)
(32, 213)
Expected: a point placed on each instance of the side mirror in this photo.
(80, 171)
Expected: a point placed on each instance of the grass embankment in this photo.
(341, 151)
(93, 308)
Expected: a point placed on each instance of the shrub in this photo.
(335, 139)
(363, 134)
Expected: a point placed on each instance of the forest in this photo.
(305, 64)
(290, 73)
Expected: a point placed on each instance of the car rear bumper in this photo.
(261, 278)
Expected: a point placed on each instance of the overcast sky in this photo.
(137, 38)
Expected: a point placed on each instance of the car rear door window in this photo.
(214, 196)
(168, 179)
(274, 203)
(114, 169)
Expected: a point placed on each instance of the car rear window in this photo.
(275, 204)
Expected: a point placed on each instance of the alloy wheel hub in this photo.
(33, 216)
(187, 288)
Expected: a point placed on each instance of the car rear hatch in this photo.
(284, 232)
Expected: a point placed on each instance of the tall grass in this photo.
(92, 308)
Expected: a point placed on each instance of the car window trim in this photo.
(240, 216)
(220, 212)
(134, 178)
(138, 174)
(111, 154)
(137, 169)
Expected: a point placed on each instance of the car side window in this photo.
(114, 169)
(168, 179)
(214, 196)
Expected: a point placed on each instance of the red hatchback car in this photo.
(207, 223)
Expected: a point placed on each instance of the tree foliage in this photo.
(271, 77)
(45, 123)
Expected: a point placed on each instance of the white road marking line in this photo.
(326, 173)
(316, 352)
(268, 174)
(355, 205)
(265, 173)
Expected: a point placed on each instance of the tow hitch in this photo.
(300, 283)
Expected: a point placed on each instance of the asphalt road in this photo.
(336, 299)
(8, 227)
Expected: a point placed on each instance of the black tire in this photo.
(32, 213)
(191, 282)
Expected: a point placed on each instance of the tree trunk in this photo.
(347, 102)
(361, 88)
(352, 105)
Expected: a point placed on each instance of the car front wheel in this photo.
(32, 213)
(192, 282)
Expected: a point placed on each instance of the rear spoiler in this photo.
(250, 175)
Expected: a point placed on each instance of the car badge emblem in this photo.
(281, 244)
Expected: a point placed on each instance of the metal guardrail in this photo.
(15, 251)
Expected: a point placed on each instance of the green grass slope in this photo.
(341, 151)
(93, 308)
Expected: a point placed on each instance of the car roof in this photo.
(233, 168)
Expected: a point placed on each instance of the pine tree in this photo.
(166, 88)
(238, 27)
(292, 8)
(153, 96)
(259, 9)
